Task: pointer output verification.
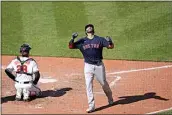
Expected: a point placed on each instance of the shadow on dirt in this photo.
(7, 98)
(132, 99)
(55, 93)
(47, 93)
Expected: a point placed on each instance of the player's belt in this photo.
(23, 82)
(98, 63)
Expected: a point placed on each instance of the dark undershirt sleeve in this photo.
(75, 45)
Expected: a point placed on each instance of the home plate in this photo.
(47, 80)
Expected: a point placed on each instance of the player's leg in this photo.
(26, 91)
(101, 77)
(88, 71)
(19, 91)
(35, 91)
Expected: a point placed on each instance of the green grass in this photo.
(166, 112)
(140, 30)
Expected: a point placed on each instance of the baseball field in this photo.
(138, 69)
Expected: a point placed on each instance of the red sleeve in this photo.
(71, 44)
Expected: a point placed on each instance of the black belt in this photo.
(95, 63)
(98, 63)
(25, 82)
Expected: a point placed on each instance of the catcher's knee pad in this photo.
(35, 93)
(32, 93)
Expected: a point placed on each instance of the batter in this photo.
(91, 47)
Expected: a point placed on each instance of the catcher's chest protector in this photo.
(22, 67)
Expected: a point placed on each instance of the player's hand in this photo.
(108, 39)
(74, 35)
(34, 82)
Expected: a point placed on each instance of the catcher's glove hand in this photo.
(74, 35)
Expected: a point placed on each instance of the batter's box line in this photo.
(112, 84)
(137, 70)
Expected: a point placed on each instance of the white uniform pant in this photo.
(26, 90)
(99, 72)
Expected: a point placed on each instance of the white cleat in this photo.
(26, 99)
(18, 99)
(90, 110)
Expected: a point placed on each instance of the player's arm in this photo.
(36, 73)
(9, 74)
(37, 77)
(107, 42)
(9, 71)
(74, 45)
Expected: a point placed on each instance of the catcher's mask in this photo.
(89, 28)
(25, 48)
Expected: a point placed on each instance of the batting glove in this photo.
(109, 39)
(74, 35)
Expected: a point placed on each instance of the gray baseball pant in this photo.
(99, 72)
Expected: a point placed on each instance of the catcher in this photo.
(26, 75)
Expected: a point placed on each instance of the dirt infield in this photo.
(138, 88)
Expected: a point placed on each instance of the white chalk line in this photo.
(163, 110)
(113, 83)
(47, 80)
(137, 70)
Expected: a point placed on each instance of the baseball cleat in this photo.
(18, 99)
(111, 102)
(90, 110)
(27, 99)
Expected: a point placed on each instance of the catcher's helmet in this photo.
(25, 48)
(90, 30)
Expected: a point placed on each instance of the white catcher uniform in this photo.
(24, 77)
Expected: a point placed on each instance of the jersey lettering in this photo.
(22, 68)
(87, 46)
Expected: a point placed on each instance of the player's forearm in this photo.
(9, 74)
(71, 44)
(37, 76)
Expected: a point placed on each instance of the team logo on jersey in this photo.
(91, 46)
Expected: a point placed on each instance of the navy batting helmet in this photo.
(91, 30)
(25, 48)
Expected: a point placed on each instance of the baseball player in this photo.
(91, 47)
(26, 75)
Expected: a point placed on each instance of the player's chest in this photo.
(26, 67)
(91, 44)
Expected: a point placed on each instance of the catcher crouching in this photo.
(26, 75)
